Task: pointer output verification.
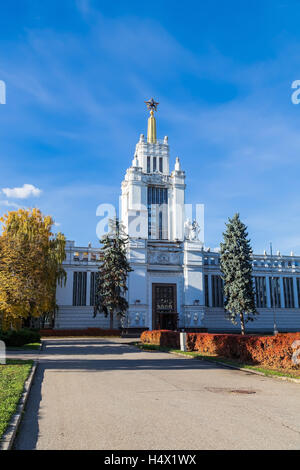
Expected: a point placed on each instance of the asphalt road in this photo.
(104, 394)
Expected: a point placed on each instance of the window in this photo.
(93, 256)
(160, 164)
(288, 290)
(79, 288)
(275, 292)
(148, 164)
(160, 226)
(298, 290)
(94, 284)
(157, 204)
(217, 291)
(260, 292)
(154, 164)
(206, 290)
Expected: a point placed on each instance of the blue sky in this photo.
(77, 74)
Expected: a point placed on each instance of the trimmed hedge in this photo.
(78, 332)
(164, 338)
(274, 351)
(20, 337)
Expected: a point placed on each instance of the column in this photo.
(209, 291)
(254, 289)
(295, 292)
(88, 287)
(268, 291)
(282, 292)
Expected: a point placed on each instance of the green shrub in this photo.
(20, 337)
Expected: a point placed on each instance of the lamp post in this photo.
(275, 331)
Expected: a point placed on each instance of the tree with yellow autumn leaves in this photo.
(31, 259)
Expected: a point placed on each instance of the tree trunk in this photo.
(111, 320)
(242, 323)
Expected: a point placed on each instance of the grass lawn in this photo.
(293, 373)
(12, 378)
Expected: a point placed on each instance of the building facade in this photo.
(175, 282)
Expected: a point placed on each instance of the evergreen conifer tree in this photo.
(236, 267)
(113, 272)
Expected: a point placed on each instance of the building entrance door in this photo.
(164, 307)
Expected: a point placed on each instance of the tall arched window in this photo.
(160, 222)
(157, 203)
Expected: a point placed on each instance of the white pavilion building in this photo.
(175, 282)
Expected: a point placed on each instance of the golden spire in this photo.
(151, 135)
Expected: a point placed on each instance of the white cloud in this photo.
(10, 204)
(22, 193)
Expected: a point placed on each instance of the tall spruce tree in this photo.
(236, 267)
(113, 272)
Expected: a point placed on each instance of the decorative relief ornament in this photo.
(155, 179)
(164, 258)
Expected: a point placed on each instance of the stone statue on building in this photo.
(191, 230)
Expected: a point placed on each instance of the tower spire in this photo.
(151, 135)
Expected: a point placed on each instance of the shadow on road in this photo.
(92, 355)
(96, 356)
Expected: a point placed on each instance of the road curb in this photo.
(243, 369)
(7, 440)
(224, 364)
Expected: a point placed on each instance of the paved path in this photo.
(104, 394)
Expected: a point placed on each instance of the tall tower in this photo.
(153, 198)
